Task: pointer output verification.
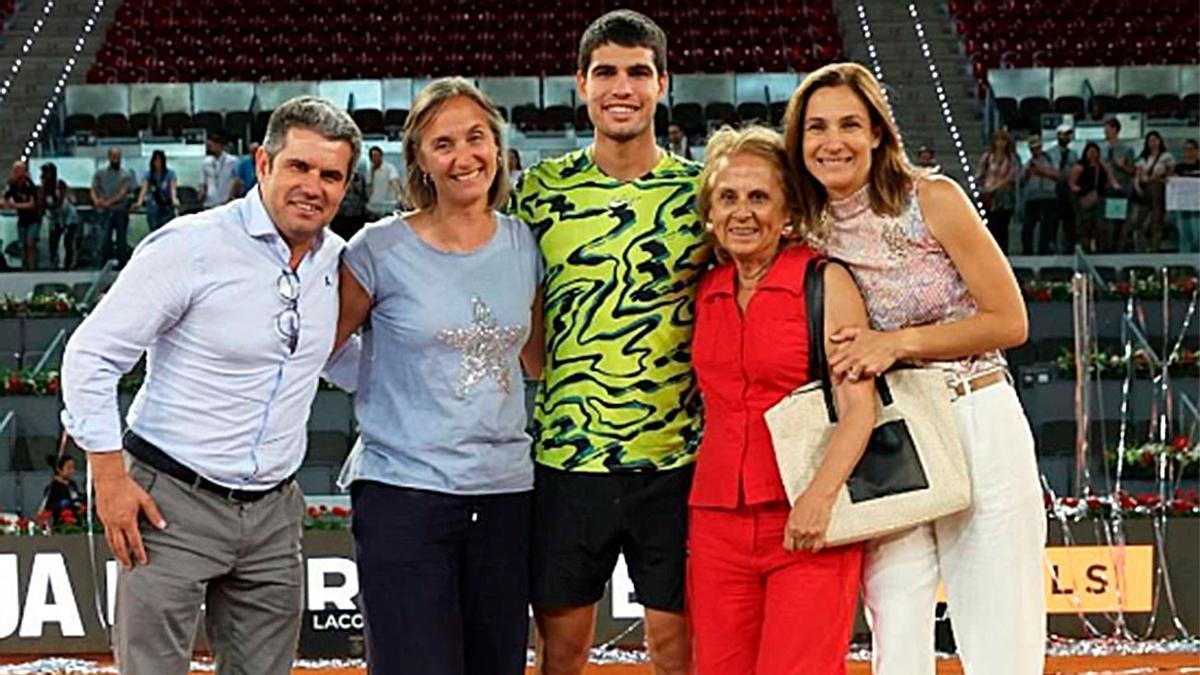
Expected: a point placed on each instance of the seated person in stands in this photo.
(61, 494)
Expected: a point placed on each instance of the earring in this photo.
(426, 180)
(708, 226)
(787, 229)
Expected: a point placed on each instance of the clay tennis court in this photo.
(1156, 664)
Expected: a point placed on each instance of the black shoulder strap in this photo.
(814, 306)
(818, 362)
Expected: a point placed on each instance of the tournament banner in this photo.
(49, 602)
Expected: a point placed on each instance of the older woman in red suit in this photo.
(765, 594)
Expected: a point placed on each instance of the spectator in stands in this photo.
(22, 195)
(926, 159)
(352, 214)
(1189, 220)
(759, 568)
(59, 211)
(938, 292)
(62, 493)
(441, 476)
(1095, 110)
(160, 186)
(247, 178)
(220, 174)
(383, 185)
(1039, 179)
(235, 311)
(998, 168)
(1118, 158)
(111, 187)
(1149, 197)
(1089, 182)
(1064, 158)
(514, 166)
(677, 141)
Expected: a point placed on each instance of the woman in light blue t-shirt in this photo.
(441, 476)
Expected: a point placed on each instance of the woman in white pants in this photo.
(940, 293)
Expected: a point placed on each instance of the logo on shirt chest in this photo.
(484, 346)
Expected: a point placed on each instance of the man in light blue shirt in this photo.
(235, 309)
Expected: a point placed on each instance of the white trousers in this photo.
(990, 558)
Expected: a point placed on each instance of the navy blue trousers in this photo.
(443, 580)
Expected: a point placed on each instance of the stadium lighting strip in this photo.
(944, 103)
(6, 85)
(871, 53)
(68, 66)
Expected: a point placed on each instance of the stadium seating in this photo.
(241, 109)
(1044, 33)
(229, 40)
(1022, 95)
(372, 56)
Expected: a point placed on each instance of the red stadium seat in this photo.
(232, 39)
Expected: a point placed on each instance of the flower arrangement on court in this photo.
(74, 521)
(1111, 365)
(1148, 288)
(322, 517)
(1181, 503)
(39, 306)
(26, 382)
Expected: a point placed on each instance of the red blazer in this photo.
(744, 365)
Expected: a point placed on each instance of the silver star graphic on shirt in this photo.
(484, 346)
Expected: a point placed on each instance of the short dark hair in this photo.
(626, 28)
(1192, 142)
(374, 148)
(1113, 122)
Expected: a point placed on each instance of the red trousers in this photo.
(757, 609)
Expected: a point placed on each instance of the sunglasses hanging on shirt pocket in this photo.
(913, 470)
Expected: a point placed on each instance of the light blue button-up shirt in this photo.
(223, 395)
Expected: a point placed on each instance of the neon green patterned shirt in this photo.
(622, 263)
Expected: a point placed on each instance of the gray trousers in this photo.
(242, 560)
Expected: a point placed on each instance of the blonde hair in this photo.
(892, 174)
(418, 186)
(752, 140)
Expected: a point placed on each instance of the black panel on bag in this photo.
(889, 466)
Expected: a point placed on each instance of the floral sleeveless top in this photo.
(906, 277)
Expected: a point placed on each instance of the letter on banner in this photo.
(110, 589)
(1100, 579)
(624, 600)
(10, 604)
(49, 574)
(320, 595)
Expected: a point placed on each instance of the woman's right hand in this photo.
(808, 522)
